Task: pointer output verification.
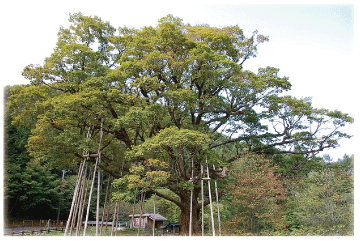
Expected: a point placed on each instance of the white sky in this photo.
(311, 44)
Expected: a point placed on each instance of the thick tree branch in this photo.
(111, 172)
(167, 197)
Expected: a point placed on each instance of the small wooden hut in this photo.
(170, 229)
(147, 218)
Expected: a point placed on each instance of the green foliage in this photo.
(325, 203)
(141, 178)
(29, 186)
(296, 166)
(16, 157)
(40, 187)
(347, 164)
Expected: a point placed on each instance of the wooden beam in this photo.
(90, 155)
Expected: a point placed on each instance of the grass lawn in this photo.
(91, 232)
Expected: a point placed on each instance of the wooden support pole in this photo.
(117, 219)
(113, 221)
(202, 202)
(98, 187)
(98, 205)
(132, 217)
(82, 199)
(211, 207)
(154, 221)
(105, 202)
(108, 208)
(90, 194)
(79, 208)
(141, 211)
(191, 211)
(217, 203)
(191, 197)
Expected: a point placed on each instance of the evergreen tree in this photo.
(31, 190)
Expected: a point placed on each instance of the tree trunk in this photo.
(184, 219)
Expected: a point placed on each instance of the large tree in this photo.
(173, 93)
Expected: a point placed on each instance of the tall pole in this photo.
(108, 209)
(98, 187)
(90, 194)
(217, 202)
(202, 202)
(113, 221)
(154, 215)
(98, 205)
(117, 218)
(191, 197)
(211, 208)
(133, 214)
(82, 201)
(106, 198)
(141, 210)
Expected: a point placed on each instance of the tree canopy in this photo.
(174, 93)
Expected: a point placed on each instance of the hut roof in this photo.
(152, 216)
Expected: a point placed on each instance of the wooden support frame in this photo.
(80, 192)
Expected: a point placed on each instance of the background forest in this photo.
(156, 104)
